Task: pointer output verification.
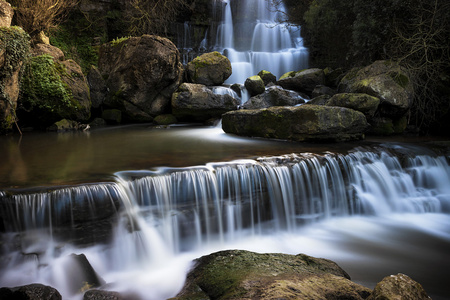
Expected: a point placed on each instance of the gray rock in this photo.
(274, 96)
(303, 81)
(267, 77)
(141, 73)
(195, 102)
(361, 102)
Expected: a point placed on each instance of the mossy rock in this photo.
(238, 274)
(267, 77)
(255, 85)
(361, 102)
(209, 69)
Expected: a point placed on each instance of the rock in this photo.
(141, 73)
(274, 96)
(14, 49)
(30, 292)
(361, 102)
(165, 119)
(303, 81)
(101, 295)
(267, 77)
(238, 274)
(112, 116)
(67, 125)
(6, 14)
(82, 275)
(254, 85)
(97, 122)
(195, 102)
(387, 126)
(209, 69)
(97, 87)
(41, 49)
(320, 100)
(385, 80)
(78, 86)
(54, 90)
(300, 123)
(399, 287)
(320, 90)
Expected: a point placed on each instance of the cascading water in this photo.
(141, 232)
(250, 34)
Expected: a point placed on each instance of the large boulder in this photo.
(274, 96)
(41, 49)
(300, 123)
(385, 80)
(254, 85)
(53, 90)
(209, 69)
(398, 286)
(141, 75)
(196, 102)
(361, 102)
(304, 81)
(14, 49)
(238, 274)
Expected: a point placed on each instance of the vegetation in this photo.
(353, 33)
(43, 90)
(14, 43)
(35, 16)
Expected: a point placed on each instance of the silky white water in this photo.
(370, 211)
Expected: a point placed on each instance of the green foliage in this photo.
(118, 41)
(43, 89)
(79, 37)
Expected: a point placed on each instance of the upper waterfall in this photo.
(251, 35)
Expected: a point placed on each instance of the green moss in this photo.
(287, 75)
(44, 89)
(119, 41)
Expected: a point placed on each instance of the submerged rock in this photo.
(195, 102)
(303, 123)
(209, 69)
(238, 274)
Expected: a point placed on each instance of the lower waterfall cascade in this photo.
(161, 219)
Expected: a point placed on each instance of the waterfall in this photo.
(145, 218)
(251, 35)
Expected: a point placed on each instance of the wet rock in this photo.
(274, 96)
(141, 73)
(361, 102)
(237, 274)
(385, 80)
(97, 122)
(30, 292)
(196, 102)
(303, 81)
(67, 125)
(209, 69)
(80, 275)
(267, 77)
(301, 123)
(322, 90)
(387, 126)
(398, 286)
(254, 85)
